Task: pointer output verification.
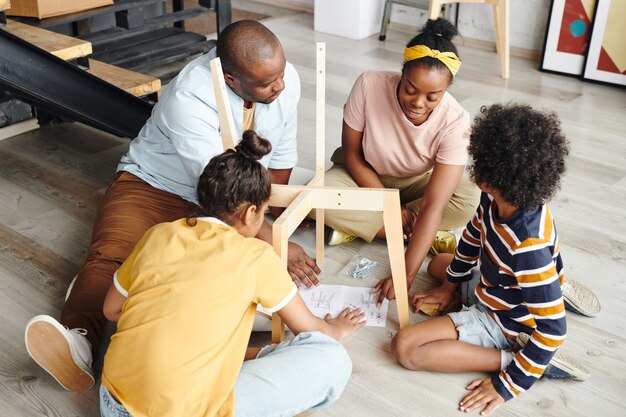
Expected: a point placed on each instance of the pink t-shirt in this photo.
(392, 145)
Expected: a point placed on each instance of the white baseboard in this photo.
(18, 128)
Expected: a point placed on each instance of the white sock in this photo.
(506, 358)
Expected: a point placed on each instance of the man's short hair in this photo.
(243, 44)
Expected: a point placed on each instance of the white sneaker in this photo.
(63, 353)
(580, 299)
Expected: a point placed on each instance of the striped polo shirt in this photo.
(521, 278)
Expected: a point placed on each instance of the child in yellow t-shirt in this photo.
(185, 300)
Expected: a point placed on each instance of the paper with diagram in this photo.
(334, 298)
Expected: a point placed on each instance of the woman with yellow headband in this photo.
(403, 130)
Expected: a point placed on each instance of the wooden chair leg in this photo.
(280, 239)
(503, 36)
(278, 329)
(395, 245)
(496, 25)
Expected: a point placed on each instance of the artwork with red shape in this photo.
(605, 63)
(575, 29)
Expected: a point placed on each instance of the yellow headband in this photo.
(449, 59)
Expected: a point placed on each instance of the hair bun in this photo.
(440, 27)
(252, 146)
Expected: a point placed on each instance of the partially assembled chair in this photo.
(299, 201)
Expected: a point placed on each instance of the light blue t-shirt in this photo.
(183, 133)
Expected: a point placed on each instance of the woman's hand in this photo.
(347, 322)
(442, 295)
(483, 393)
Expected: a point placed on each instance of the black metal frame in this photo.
(43, 80)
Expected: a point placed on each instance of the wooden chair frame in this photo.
(299, 201)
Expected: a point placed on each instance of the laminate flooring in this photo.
(52, 179)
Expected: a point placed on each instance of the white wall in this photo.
(528, 19)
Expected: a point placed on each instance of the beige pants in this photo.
(365, 224)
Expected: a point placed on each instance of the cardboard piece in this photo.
(429, 309)
(48, 8)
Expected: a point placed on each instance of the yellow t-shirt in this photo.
(248, 118)
(192, 295)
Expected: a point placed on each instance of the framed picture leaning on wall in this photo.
(606, 55)
(567, 36)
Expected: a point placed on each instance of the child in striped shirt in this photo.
(508, 266)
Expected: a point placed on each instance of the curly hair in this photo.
(436, 34)
(235, 179)
(518, 151)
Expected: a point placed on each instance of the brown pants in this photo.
(129, 208)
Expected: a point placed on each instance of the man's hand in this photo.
(483, 393)
(408, 221)
(441, 295)
(301, 266)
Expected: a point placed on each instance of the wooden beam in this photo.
(320, 144)
(64, 47)
(225, 116)
(320, 111)
(296, 212)
(132, 82)
(280, 240)
(332, 198)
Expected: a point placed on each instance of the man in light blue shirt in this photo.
(157, 178)
(183, 133)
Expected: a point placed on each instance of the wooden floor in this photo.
(52, 179)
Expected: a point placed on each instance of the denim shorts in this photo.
(474, 324)
(109, 407)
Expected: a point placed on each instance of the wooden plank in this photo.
(48, 8)
(132, 82)
(86, 14)
(320, 143)
(18, 128)
(64, 47)
(227, 124)
(337, 198)
(5, 4)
